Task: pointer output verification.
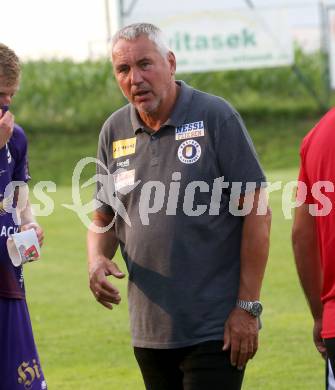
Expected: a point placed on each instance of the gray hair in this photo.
(135, 30)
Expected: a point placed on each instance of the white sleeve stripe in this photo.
(330, 377)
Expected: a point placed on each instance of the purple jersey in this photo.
(13, 167)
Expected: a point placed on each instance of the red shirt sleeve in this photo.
(304, 193)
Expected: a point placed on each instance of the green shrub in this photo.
(77, 97)
(66, 96)
(62, 106)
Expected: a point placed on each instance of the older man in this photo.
(181, 164)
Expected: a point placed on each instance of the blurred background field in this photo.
(62, 107)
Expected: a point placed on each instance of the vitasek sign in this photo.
(222, 38)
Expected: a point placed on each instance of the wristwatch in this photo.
(254, 308)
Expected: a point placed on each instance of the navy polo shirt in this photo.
(180, 242)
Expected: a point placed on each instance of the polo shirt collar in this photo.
(178, 114)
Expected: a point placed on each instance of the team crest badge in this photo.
(189, 151)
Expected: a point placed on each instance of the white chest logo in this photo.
(9, 156)
(189, 151)
(190, 130)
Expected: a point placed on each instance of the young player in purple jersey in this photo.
(19, 362)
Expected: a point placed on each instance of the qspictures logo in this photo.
(156, 196)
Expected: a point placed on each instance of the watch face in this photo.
(256, 309)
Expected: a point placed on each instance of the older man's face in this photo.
(143, 74)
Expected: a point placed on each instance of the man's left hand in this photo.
(241, 336)
(38, 230)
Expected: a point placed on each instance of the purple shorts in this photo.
(19, 363)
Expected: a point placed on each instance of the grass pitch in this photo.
(84, 346)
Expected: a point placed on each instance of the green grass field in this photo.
(84, 346)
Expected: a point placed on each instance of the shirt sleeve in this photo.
(304, 193)
(237, 156)
(104, 186)
(18, 147)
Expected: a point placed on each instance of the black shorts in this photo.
(200, 367)
(330, 364)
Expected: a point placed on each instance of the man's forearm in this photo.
(254, 252)
(23, 206)
(27, 215)
(310, 277)
(306, 253)
(101, 244)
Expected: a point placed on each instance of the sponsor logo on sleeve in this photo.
(189, 151)
(190, 130)
(124, 147)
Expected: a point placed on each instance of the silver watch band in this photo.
(246, 305)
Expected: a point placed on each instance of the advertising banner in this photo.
(206, 37)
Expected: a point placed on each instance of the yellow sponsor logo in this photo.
(124, 147)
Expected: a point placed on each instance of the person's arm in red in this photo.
(306, 253)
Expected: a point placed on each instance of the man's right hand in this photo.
(6, 127)
(104, 292)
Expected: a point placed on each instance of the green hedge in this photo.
(77, 97)
(66, 96)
